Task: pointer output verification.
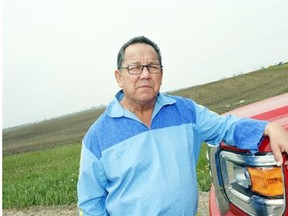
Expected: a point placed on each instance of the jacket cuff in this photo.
(248, 133)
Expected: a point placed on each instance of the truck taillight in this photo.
(253, 183)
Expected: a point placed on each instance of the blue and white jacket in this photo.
(127, 168)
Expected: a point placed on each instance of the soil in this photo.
(72, 210)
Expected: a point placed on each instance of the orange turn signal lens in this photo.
(267, 181)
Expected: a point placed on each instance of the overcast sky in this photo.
(59, 56)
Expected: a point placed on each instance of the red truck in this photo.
(250, 184)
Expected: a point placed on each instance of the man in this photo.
(139, 157)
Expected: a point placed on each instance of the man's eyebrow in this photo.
(138, 63)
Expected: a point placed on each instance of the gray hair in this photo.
(135, 40)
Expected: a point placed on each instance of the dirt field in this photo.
(71, 210)
(220, 96)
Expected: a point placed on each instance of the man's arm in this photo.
(278, 140)
(91, 185)
(244, 133)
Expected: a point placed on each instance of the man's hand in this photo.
(278, 140)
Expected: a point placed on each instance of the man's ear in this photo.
(118, 77)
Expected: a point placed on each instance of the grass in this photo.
(41, 160)
(203, 176)
(41, 178)
(49, 177)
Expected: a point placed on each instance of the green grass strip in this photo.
(203, 174)
(41, 178)
(49, 177)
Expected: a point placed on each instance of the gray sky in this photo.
(59, 56)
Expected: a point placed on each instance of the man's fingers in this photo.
(277, 154)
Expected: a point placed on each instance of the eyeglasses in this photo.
(137, 69)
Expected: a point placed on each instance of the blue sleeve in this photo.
(91, 185)
(214, 128)
(248, 133)
(244, 133)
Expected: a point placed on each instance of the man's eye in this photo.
(134, 67)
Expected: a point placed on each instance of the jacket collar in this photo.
(115, 110)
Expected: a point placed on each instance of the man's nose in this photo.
(145, 72)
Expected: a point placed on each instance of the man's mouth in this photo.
(145, 86)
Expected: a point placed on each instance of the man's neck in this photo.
(142, 111)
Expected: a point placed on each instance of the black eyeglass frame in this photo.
(148, 66)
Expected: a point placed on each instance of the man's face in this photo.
(142, 88)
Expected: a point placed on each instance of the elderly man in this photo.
(140, 156)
